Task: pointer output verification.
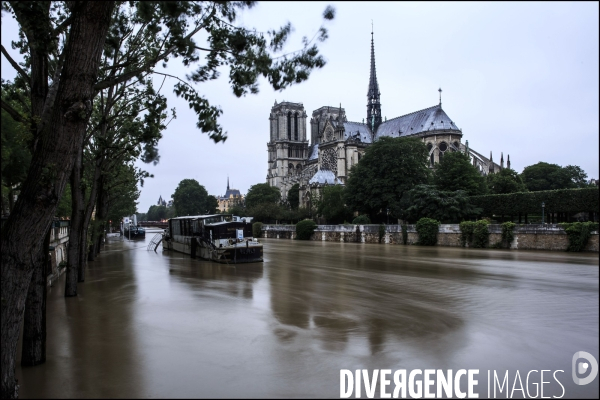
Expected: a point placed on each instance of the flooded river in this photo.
(159, 324)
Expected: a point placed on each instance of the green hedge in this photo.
(428, 228)
(305, 229)
(562, 200)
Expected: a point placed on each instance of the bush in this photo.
(507, 233)
(579, 234)
(404, 234)
(466, 232)
(257, 229)
(427, 229)
(381, 232)
(362, 219)
(305, 229)
(481, 234)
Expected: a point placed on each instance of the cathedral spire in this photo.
(373, 102)
(228, 182)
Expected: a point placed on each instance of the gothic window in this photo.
(431, 159)
(441, 155)
(298, 169)
(330, 160)
(329, 134)
(429, 147)
(457, 145)
(358, 156)
(290, 170)
(296, 126)
(443, 146)
(289, 125)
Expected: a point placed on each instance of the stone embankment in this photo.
(526, 237)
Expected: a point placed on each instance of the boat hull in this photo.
(236, 253)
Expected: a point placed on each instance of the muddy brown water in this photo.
(159, 324)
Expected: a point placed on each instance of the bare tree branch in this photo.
(16, 66)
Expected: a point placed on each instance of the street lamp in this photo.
(543, 205)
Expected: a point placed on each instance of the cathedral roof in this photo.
(352, 129)
(324, 176)
(423, 121)
(232, 192)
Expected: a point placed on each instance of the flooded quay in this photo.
(159, 324)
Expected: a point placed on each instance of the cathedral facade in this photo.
(336, 144)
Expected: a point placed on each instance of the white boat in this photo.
(213, 237)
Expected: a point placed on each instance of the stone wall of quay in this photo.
(526, 237)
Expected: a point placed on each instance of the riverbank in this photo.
(526, 237)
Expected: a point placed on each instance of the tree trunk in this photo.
(77, 227)
(33, 350)
(23, 233)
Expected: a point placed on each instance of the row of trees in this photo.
(190, 198)
(88, 108)
(392, 181)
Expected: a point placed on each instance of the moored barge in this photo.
(213, 237)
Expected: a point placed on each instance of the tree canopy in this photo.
(389, 168)
(545, 176)
(455, 172)
(331, 205)
(505, 181)
(293, 196)
(430, 202)
(262, 193)
(191, 198)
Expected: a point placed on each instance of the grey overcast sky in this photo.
(519, 78)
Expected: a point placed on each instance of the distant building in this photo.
(232, 197)
(337, 144)
(161, 202)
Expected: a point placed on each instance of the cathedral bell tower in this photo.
(288, 147)
(373, 103)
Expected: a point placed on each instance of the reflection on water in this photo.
(160, 324)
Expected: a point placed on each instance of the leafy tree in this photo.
(212, 204)
(577, 175)
(426, 201)
(455, 172)
(15, 157)
(265, 212)
(293, 196)
(262, 193)
(545, 176)
(64, 44)
(506, 181)
(389, 168)
(156, 213)
(237, 210)
(331, 205)
(191, 198)
(64, 205)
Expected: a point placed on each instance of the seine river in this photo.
(159, 324)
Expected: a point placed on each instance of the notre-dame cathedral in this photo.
(336, 144)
